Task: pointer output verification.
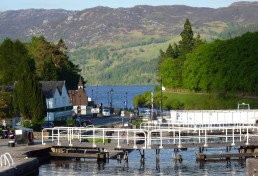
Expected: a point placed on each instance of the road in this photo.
(107, 120)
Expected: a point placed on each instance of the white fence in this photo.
(59, 134)
(214, 116)
(156, 135)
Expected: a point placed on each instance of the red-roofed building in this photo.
(79, 99)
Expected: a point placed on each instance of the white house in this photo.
(58, 104)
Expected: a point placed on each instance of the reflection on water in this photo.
(164, 166)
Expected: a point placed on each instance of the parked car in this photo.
(106, 112)
(3, 134)
(47, 125)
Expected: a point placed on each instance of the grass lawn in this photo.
(205, 101)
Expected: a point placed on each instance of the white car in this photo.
(106, 112)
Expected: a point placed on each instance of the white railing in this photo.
(6, 160)
(158, 135)
(161, 125)
(202, 135)
(70, 134)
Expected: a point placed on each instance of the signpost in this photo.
(122, 115)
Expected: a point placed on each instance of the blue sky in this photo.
(84, 4)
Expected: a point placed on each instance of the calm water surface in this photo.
(102, 94)
(166, 166)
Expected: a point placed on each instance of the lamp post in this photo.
(125, 100)
(111, 101)
(111, 97)
(91, 94)
(108, 98)
(48, 110)
(80, 105)
(79, 110)
(161, 87)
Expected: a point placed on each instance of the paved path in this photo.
(21, 163)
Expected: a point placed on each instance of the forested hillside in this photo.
(120, 46)
(223, 66)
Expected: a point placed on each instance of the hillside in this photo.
(120, 46)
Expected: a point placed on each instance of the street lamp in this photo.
(91, 94)
(161, 87)
(48, 110)
(125, 100)
(80, 105)
(111, 97)
(108, 98)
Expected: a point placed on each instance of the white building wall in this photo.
(214, 116)
(57, 102)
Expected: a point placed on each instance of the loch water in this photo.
(166, 165)
(120, 96)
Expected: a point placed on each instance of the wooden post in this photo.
(126, 156)
(157, 155)
(142, 156)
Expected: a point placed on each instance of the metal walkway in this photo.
(152, 136)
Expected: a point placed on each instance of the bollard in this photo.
(11, 144)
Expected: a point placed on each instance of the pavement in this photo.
(17, 162)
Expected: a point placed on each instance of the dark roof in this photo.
(49, 87)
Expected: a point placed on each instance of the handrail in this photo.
(177, 135)
(5, 159)
(80, 133)
(158, 125)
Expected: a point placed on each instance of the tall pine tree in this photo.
(28, 97)
(187, 42)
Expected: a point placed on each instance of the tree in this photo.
(187, 42)
(62, 47)
(49, 71)
(172, 71)
(11, 54)
(28, 97)
(5, 104)
(52, 62)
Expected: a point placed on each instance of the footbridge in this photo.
(154, 136)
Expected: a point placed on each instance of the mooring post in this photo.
(142, 156)
(201, 149)
(157, 155)
(118, 158)
(157, 160)
(126, 156)
(107, 157)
